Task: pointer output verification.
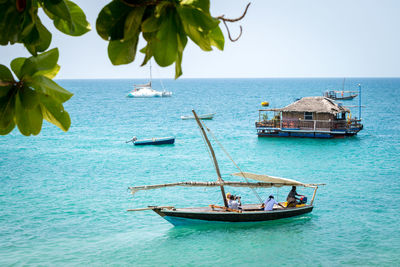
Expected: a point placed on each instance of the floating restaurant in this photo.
(315, 117)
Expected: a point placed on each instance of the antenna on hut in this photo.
(344, 79)
(359, 101)
(213, 156)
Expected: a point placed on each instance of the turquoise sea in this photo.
(63, 196)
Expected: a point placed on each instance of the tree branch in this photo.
(225, 20)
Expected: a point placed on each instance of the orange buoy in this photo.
(264, 104)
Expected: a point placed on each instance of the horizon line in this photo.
(237, 78)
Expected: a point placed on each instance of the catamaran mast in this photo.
(214, 158)
(150, 73)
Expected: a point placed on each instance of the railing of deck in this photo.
(310, 124)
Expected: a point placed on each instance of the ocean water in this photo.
(63, 196)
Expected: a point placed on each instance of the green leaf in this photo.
(133, 22)
(203, 5)
(58, 9)
(44, 35)
(197, 18)
(78, 25)
(10, 23)
(178, 65)
(47, 86)
(165, 46)
(29, 121)
(161, 8)
(45, 61)
(5, 89)
(38, 39)
(198, 37)
(151, 24)
(28, 97)
(217, 38)
(111, 20)
(50, 73)
(7, 109)
(122, 51)
(8, 128)
(5, 75)
(16, 65)
(148, 54)
(182, 41)
(54, 112)
(28, 26)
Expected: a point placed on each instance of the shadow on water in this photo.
(241, 227)
(305, 140)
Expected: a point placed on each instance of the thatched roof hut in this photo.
(317, 104)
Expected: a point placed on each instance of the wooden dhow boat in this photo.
(342, 94)
(215, 213)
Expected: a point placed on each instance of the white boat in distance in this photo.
(145, 90)
(202, 117)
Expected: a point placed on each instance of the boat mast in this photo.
(214, 158)
(150, 73)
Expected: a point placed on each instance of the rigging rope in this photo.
(229, 156)
(159, 75)
(206, 146)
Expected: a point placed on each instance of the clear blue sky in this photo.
(281, 38)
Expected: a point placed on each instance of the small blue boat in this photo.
(154, 141)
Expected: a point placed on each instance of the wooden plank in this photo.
(152, 208)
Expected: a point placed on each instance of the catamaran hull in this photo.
(180, 217)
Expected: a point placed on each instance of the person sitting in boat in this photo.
(270, 202)
(132, 140)
(291, 198)
(234, 202)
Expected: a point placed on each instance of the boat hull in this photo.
(202, 117)
(343, 98)
(155, 141)
(278, 132)
(183, 216)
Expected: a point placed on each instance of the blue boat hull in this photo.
(155, 141)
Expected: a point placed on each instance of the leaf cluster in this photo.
(165, 25)
(20, 23)
(34, 97)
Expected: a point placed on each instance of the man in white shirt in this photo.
(270, 202)
(233, 202)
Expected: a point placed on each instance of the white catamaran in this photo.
(145, 90)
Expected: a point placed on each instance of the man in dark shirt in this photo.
(291, 198)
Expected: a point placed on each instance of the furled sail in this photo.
(276, 181)
(144, 85)
(268, 182)
(134, 189)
